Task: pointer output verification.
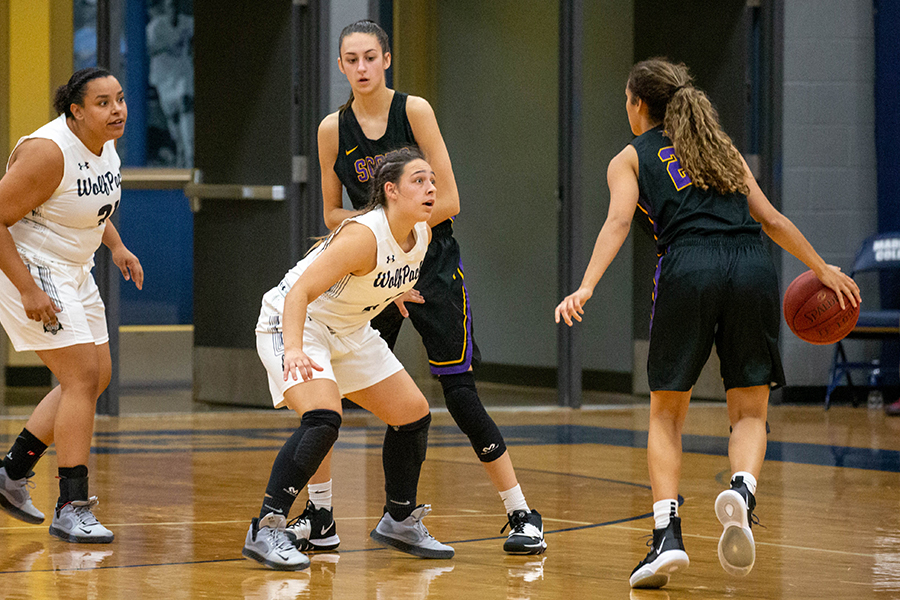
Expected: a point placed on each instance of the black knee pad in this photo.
(320, 432)
(467, 410)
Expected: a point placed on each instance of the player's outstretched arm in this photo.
(623, 198)
(783, 232)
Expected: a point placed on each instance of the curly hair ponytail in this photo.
(705, 151)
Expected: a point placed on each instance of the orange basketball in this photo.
(813, 312)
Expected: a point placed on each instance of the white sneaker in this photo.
(267, 543)
(737, 550)
(74, 522)
(15, 499)
(410, 535)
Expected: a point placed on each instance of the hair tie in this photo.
(680, 87)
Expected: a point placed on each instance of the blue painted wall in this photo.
(158, 226)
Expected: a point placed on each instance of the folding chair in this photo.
(878, 253)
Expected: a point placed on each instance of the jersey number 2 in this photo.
(679, 177)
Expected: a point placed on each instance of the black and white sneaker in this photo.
(666, 556)
(526, 533)
(734, 508)
(314, 530)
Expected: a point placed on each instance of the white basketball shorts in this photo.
(72, 288)
(355, 361)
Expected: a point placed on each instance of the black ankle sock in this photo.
(402, 458)
(23, 455)
(73, 484)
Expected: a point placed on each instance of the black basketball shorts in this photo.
(716, 289)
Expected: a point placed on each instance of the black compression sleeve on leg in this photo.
(299, 458)
(467, 410)
(402, 458)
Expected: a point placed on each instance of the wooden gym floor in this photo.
(179, 490)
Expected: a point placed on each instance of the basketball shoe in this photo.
(75, 522)
(666, 556)
(314, 530)
(15, 499)
(410, 535)
(268, 544)
(526, 533)
(734, 508)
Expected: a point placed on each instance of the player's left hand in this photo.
(412, 295)
(130, 266)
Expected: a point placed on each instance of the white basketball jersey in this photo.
(354, 300)
(69, 227)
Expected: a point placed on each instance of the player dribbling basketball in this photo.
(715, 283)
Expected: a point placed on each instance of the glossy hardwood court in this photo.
(179, 490)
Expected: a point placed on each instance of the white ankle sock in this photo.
(663, 511)
(514, 499)
(320, 494)
(749, 479)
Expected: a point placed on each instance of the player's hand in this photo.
(572, 307)
(841, 283)
(130, 266)
(39, 307)
(296, 361)
(412, 295)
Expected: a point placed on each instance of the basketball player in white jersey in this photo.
(316, 342)
(61, 185)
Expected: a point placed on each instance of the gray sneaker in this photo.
(15, 499)
(267, 543)
(74, 522)
(410, 535)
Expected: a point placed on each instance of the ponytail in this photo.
(705, 151)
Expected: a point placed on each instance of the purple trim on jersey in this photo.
(655, 291)
(466, 362)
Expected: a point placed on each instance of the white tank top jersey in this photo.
(354, 300)
(68, 228)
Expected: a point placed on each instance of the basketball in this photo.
(813, 312)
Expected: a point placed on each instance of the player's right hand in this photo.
(296, 361)
(39, 307)
(572, 307)
(413, 296)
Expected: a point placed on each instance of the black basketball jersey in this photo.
(674, 205)
(358, 155)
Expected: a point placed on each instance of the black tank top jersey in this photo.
(674, 205)
(358, 155)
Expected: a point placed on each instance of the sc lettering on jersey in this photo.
(365, 167)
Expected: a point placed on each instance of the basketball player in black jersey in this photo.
(715, 282)
(352, 141)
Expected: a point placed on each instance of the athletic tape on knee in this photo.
(467, 410)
